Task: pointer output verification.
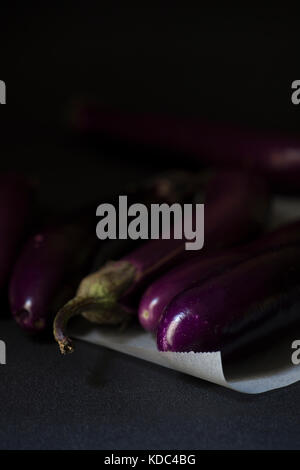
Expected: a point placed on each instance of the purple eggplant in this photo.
(274, 155)
(196, 319)
(236, 206)
(16, 214)
(54, 259)
(43, 277)
(160, 293)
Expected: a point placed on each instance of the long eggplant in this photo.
(16, 214)
(44, 275)
(197, 319)
(55, 258)
(274, 155)
(236, 207)
(160, 293)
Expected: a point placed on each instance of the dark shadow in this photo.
(96, 377)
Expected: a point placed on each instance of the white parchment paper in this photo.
(262, 372)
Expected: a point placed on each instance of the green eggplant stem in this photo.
(97, 299)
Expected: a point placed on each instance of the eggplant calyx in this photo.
(109, 282)
(97, 300)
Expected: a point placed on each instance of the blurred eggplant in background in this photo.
(275, 156)
(16, 215)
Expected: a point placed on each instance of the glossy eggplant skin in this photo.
(160, 293)
(276, 156)
(196, 319)
(45, 273)
(16, 214)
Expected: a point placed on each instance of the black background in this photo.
(232, 64)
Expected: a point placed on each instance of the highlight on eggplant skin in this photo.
(203, 266)
(195, 319)
(16, 215)
(160, 293)
(237, 203)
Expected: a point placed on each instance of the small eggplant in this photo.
(43, 277)
(160, 293)
(54, 259)
(236, 206)
(274, 155)
(197, 318)
(16, 214)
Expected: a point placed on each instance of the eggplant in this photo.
(197, 318)
(236, 207)
(55, 258)
(160, 293)
(16, 215)
(42, 277)
(276, 156)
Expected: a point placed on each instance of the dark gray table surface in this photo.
(100, 399)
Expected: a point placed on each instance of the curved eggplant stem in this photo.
(72, 308)
(97, 300)
(94, 309)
